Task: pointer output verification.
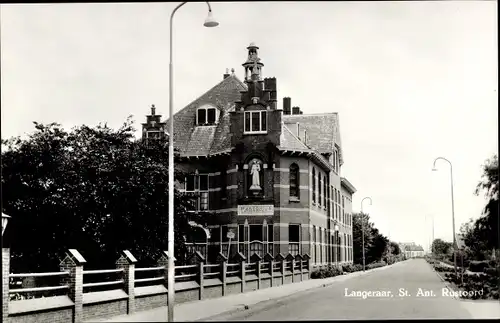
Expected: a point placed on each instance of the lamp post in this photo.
(452, 209)
(209, 22)
(363, 228)
(5, 220)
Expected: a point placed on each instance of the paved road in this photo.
(395, 295)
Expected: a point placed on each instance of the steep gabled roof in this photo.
(323, 130)
(196, 141)
(289, 141)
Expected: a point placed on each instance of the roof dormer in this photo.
(207, 115)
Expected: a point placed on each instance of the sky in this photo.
(411, 81)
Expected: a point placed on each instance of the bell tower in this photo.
(253, 65)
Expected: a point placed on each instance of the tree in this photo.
(441, 247)
(487, 226)
(357, 241)
(378, 246)
(395, 250)
(94, 189)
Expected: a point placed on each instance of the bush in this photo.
(348, 268)
(478, 266)
(326, 272)
(357, 267)
(376, 265)
(442, 268)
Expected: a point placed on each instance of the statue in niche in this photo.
(255, 169)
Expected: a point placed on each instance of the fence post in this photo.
(163, 262)
(73, 263)
(242, 260)
(127, 263)
(298, 258)
(257, 259)
(281, 259)
(291, 259)
(222, 260)
(270, 259)
(5, 283)
(197, 259)
(308, 259)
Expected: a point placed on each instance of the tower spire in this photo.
(253, 65)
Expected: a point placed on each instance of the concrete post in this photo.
(127, 263)
(298, 258)
(197, 259)
(163, 262)
(270, 259)
(5, 283)
(257, 260)
(73, 263)
(242, 260)
(222, 260)
(308, 259)
(281, 259)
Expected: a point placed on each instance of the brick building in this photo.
(270, 176)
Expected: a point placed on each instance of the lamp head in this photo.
(210, 21)
(336, 227)
(434, 169)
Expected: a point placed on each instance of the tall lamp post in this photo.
(5, 220)
(452, 209)
(209, 22)
(363, 228)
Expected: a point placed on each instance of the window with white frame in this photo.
(294, 181)
(255, 121)
(294, 239)
(314, 185)
(198, 183)
(206, 116)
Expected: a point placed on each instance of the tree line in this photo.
(377, 246)
(95, 189)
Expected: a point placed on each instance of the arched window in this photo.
(314, 185)
(294, 181)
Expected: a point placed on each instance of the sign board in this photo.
(255, 209)
(230, 235)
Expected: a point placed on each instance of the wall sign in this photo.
(255, 209)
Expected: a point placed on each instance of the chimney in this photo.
(296, 110)
(287, 105)
(227, 73)
(153, 110)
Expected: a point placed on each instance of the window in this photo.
(293, 239)
(256, 121)
(314, 185)
(320, 199)
(191, 183)
(320, 245)
(342, 201)
(206, 116)
(153, 134)
(241, 233)
(294, 181)
(325, 189)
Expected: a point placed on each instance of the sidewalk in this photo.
(199, 310)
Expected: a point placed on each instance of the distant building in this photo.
(270, 177)
(411, 250)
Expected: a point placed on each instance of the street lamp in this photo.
(5, 220)
(209, 22)
(363, 228)
(452, 209)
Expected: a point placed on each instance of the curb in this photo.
(446, 284)
(244, 307)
